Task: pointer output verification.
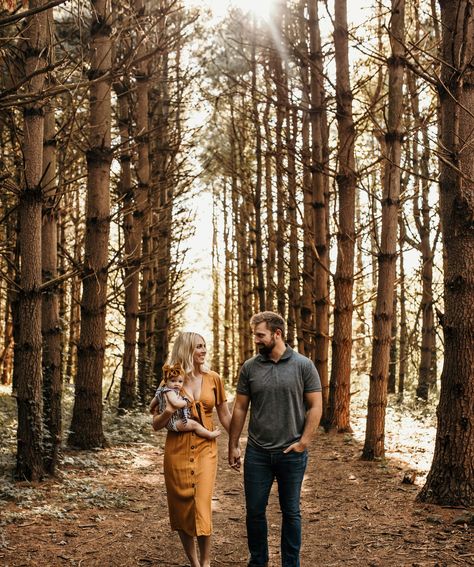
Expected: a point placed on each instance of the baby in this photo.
(173, 377)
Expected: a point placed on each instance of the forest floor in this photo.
(109, 507)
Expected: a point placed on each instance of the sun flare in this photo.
(262, 9)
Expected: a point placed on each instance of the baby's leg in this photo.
(192, 425)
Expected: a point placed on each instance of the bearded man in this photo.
(283, 390)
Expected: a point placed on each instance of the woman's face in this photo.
(199, 353)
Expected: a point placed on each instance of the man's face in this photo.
(264, 338)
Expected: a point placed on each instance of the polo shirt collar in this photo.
(287, 354)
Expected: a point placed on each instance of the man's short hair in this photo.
(273, 320)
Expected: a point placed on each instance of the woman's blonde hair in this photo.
(183, 350)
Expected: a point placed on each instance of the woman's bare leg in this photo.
(189, 547)
(204, 543)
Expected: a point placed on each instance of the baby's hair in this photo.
(172, 370)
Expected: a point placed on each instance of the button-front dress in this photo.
(190, 464)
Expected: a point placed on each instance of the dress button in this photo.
(193, 485)
(192, 446)
(192, 472)
(191, 460)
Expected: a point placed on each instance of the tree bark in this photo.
(319, 203)
(269, 200)
(374, 446)
(51, 326)
(260, 283)
(307, 300)
(423, 222)
(131, 236)
(338, 417)
(279, 78)
(28, 377)
(86, 429)
(450, 481)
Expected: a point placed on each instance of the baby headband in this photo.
(171, 371)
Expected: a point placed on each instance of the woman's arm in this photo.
(161, 419)
(223, 413)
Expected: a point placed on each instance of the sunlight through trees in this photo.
(324, 148)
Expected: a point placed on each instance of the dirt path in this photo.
(110, 510)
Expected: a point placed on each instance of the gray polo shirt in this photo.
(276, 391)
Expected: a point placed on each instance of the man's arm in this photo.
(314, 403)
(241, 406)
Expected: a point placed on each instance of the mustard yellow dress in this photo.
(190, 464)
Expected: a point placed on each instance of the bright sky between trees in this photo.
(261, 8)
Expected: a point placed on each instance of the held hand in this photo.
(234, 458)
(298, 447)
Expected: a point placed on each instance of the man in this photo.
(283, 391)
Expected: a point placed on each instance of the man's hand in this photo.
(298, 447)
(234, 457)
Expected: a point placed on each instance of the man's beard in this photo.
(266, 349)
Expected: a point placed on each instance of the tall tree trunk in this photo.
(402, 355)
(8, 342)
(392, 369)
(307, 300)
(86, 426)
(422, 221)
(321, 248)
(294, 295)
(281, 201)
(451, 477)
(143, 200)
(51, 326)
(75, 287)
(374, 446)
(360, 297)
(239, 284)
(216, 359)
(161, 172)
(270, 224)
(28, 363)
(260, 283)
(227, 366)
(339, 397)
(131, 234)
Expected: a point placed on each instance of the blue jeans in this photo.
(261, 467)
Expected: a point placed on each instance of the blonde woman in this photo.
(190, 461)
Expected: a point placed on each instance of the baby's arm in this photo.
(175, 400)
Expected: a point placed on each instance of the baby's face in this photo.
(176, 382)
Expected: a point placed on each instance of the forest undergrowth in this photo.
(108, 507)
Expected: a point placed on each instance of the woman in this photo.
(190, 462)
